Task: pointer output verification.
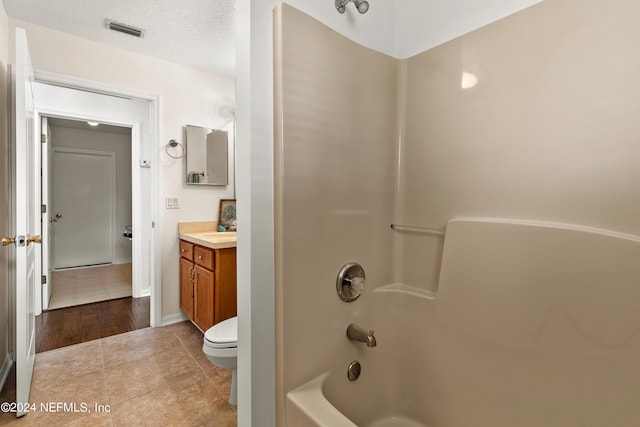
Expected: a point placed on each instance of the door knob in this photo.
(18, 241)
(34, 239)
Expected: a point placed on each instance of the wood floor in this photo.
(73, 325)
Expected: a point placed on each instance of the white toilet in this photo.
(221, 348)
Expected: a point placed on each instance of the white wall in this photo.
(188, 96)
(121, 145)
(422, 24)
(5, 198)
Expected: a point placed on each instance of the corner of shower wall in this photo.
(501, 124)
(334, 153)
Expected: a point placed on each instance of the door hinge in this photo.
(43, 280)
(43, 209)
(43, 138)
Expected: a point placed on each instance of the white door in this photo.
(83, 207)
(26, 217)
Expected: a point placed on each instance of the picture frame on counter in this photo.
(227, 215)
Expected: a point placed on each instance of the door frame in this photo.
(45, 296)
(148, 145)
(111, 156)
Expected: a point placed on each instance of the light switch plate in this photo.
(172, 202)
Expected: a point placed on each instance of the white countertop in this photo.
(212, 239)
(204, 234)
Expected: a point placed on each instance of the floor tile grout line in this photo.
(104, 378)
(213, 384)
(159, 387)
(140, 359)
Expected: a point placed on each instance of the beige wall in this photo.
(550, 131)
(5, 192)
(188, 96)
(335, 156)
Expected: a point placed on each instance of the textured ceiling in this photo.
(196, 33)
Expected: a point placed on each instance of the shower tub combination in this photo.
(533, 324)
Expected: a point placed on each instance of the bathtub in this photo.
(533, 324)
(380, 397)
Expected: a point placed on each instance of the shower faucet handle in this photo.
(356, 283)
(350, 282)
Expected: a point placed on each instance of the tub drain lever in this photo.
(353, 371)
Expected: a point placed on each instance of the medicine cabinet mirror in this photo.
(207, 156)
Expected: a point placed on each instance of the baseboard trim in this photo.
(4, 370)
(173, 318)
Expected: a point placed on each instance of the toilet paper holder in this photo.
(350, 282)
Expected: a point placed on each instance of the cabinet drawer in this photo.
(186, 250)
(204, 257)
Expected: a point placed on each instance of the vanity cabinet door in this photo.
(225, 285)
(203, 296)
(208, 292)
(186, 287)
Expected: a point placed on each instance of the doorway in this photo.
(65, 98)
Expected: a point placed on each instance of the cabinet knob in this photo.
(200, 257)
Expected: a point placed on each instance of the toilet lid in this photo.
(223, 332)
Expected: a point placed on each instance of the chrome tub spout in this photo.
(356, 333)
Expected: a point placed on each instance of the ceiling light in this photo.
(124, 28)
(93, 123)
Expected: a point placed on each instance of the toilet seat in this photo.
(223, 334)
(221, 348)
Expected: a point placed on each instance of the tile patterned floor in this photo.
(148, 377)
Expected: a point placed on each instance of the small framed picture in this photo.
(227, 215)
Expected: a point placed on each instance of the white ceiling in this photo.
(83, 125)
(196, 33)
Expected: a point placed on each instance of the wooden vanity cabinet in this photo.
(207, 284)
